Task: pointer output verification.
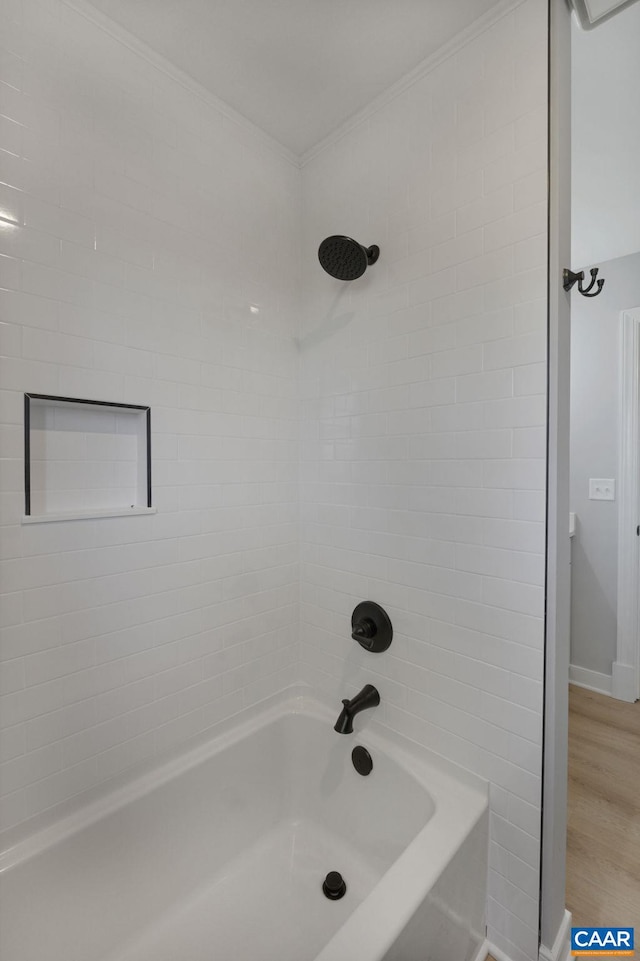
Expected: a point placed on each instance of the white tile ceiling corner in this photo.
(297, 69)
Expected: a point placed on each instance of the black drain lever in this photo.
(333, 886)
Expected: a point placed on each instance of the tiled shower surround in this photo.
(423, 438)
(142, 224)
(151, 224)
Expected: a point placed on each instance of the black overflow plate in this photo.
(362, 760)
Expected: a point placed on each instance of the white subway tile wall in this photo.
(132, 251)
(150, 253)
(423, 428)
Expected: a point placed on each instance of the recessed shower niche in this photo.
(85, 458)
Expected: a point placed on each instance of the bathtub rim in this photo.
(436, 773)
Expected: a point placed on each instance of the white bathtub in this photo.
(220, 855)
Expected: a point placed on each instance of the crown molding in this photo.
(160, 63)
(447, 50)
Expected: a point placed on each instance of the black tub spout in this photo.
(367, 697)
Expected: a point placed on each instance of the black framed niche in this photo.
(85, 458)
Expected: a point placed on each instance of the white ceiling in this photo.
(296, 68)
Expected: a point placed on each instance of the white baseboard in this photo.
(624, 682)
(486, 948)
(561, 950)
(482, 952)
(497, 953)
(592, 680)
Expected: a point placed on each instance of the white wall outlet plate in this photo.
(602, 489)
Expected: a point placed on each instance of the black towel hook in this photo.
(570, 278)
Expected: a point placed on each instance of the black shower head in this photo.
(346, 259)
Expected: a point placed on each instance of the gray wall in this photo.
(595, 338)
(606, 138)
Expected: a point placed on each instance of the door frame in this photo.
(554, 919)
(626, 667)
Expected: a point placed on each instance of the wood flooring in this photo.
(603, 838)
